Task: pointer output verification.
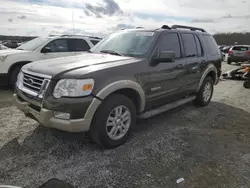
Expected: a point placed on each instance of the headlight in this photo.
(3, 57)
(73, 88)
(19, 79)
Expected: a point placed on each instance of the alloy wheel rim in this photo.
(207, 91)
(118, 122)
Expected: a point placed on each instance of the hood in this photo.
(62, 65)
(11, 51)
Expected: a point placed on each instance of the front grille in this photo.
(32, 82)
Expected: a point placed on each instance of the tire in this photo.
(246, 84)
(13, 75)
(203, 99)
(100, 132)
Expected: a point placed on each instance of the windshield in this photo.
(127, 43)
(32, 44)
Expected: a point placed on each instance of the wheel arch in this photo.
(19, 63)
(211, 70)
(129, 88)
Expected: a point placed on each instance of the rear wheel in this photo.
(113, 121)
(13, 75)
(204, 95)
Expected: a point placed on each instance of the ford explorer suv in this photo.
(12, 60)
(238, 53)
(130, 74)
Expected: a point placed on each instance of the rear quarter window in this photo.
(211, 45)
(94, 42)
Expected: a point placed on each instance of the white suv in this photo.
(11, 60)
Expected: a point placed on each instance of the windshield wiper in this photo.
(111, 52)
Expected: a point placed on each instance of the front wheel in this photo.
(246, 84)
(113, 121)
(13, 75)
(204, 95)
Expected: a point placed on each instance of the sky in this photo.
(101, 17)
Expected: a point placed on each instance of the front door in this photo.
(59, 48)
(166, 78)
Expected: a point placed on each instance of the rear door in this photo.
(166, 79)
(194, 57)
(59, 48)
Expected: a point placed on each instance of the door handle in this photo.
(180, 66)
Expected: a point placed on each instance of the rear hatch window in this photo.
(240, 48)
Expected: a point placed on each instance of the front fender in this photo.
(123, 84)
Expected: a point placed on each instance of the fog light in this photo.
(61, 115)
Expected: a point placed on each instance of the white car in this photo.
(11, 60)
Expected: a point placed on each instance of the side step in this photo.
(166, 107)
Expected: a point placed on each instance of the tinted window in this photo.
(211, 45)
(189, 45)
(94, 42)
(59, 45)
(76, 45)
(200, 51)
(240, 48)
(170, 42)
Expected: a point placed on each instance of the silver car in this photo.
(239, 53)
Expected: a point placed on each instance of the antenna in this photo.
(73, 21)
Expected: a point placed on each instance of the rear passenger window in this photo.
(189, 45)
(240, 48)
(170, 42)
(76, 45)
(200, 51)
(211, 45)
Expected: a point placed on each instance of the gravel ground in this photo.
(208, 147)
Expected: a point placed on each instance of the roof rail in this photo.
(165, 27)
(187, 27)
(139, 27)
(80, 36)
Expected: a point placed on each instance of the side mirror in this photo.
(46, 50)
(165, 57)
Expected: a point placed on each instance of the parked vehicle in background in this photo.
(130, 73)
(12, 60)
(239, 53)
(2, 47)
(11, 44)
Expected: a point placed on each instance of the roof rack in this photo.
(139, 27)
(187, 27)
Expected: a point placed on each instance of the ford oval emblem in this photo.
(30, 81)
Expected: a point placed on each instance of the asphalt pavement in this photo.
(207, 147)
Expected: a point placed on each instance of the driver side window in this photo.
(171, 42)
(58, 45)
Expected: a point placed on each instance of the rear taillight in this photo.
(248, 52)
(230, 52)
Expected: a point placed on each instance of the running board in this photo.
(166, 107)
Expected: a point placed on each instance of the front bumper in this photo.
(46, 118)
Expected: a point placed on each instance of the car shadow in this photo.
(185, 137)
